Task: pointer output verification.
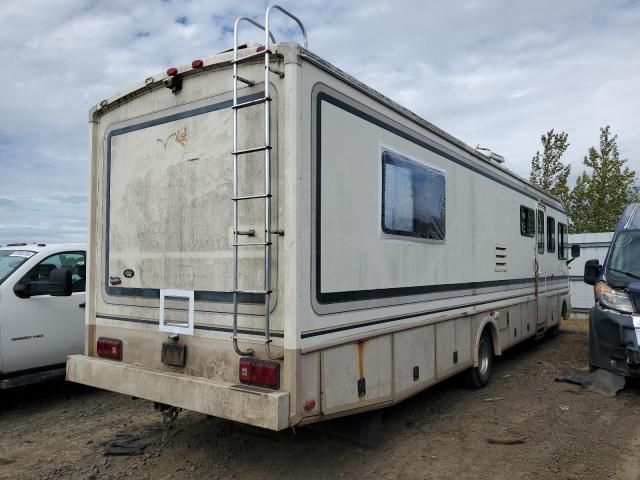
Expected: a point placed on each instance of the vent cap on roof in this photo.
(490, 154)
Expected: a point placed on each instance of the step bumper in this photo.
(241, 403)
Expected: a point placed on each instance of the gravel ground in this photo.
(61, 431)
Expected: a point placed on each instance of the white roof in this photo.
(41, 247)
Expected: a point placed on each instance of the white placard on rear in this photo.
(177, 327)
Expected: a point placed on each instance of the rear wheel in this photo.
(478, 377)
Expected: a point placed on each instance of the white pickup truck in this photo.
(42, 295)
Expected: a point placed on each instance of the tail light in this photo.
(109, 348)
(260, 373)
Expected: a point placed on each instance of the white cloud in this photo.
(497, 73)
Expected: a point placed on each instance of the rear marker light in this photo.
(197, 64)
(260, 373)
(172, 71)
(109, 348)
(309, 405)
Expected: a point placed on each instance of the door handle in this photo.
(82, 305)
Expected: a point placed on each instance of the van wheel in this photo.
(478, 377)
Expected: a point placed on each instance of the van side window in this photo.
(413, 198)
(562, 241)
(527, 221)
(540, 231)
(551, 234)
(38, 276)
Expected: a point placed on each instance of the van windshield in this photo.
(10, 260)
(625, 254)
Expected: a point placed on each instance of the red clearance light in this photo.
(172, 72)
(197, 64)
(260, 48)
(260, 373)
(109, 348)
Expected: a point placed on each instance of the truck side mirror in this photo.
(575, 251)
(22, 290)
(591, 271)
(60, 282)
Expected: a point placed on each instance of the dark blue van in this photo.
(614, 322)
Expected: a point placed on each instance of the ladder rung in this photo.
(251, 103)
(251, 83)
(250, 197)
(252, 56)
(256, 244)
(257, 292)
(251, 150)
(247, 338)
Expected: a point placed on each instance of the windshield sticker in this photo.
(22, 253)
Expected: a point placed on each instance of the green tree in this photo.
(601, 194)
(547, 170)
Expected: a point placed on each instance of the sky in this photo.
(497, 73)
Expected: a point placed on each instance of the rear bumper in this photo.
(250, 405)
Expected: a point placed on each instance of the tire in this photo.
(478, 377)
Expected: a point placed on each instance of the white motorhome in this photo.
(42, 303)
(279, 251)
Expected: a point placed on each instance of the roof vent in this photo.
(492, 155)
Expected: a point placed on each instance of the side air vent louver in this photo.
(501, 257)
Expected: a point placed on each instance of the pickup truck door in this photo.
(41, 331)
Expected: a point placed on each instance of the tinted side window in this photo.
(38, 276)
(562, 241)
(527, 221)
(551, 234)
(413, 198)
(540, 231)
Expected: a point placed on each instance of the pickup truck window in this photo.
(10, 260)
(38, 276)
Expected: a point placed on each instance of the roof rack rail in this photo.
(17, 244)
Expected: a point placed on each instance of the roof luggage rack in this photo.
(264, 196)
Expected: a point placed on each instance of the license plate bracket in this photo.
(174, 354)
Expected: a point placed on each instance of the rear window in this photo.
(413, 198)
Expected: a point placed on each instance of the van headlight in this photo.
(614, 299)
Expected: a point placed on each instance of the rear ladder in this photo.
(266, 195)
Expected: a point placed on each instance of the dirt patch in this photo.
(61, 431)
(575, 325)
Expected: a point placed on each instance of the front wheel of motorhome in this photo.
(478, 377)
